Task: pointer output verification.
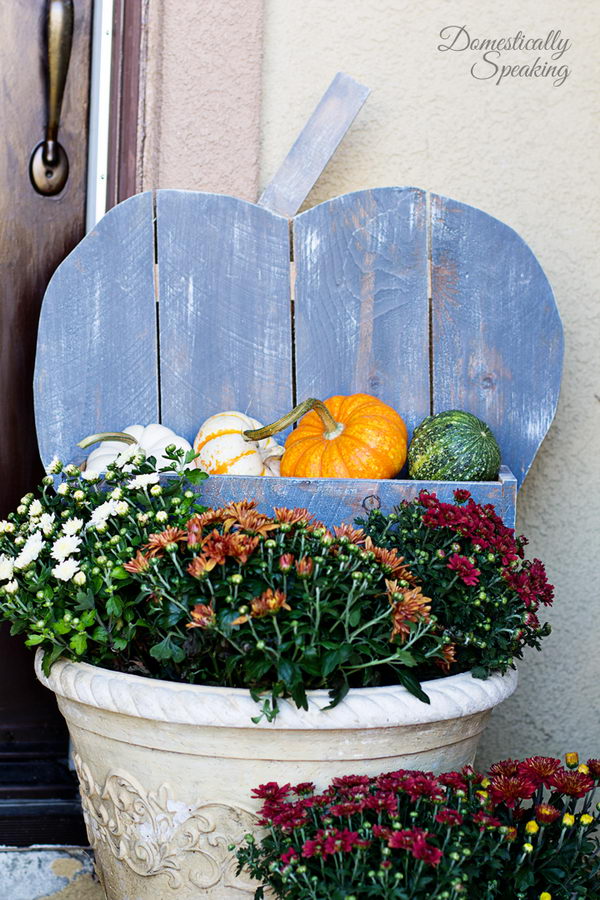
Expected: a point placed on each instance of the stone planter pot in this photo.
(166, 769)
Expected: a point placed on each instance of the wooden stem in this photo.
(106, 436)
(332, 428)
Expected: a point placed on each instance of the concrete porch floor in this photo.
(42, 873)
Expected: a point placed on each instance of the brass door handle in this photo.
(49, 165)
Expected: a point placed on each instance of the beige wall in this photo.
(527, 152)
(200, 95)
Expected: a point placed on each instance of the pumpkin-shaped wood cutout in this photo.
(423, 301)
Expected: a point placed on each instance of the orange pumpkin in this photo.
(357, 436)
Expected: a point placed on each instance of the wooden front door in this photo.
(36, 233)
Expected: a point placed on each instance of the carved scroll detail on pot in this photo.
(152, 833)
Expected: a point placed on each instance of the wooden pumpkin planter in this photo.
(180, 305)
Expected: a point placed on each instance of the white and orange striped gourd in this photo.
(223, 450)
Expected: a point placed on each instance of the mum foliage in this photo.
(485, 594)
(524, 831)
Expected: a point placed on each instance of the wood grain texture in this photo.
(225, 318)
(361, 299)
(496, 332)
(96, 365)
(336, 500)
(315, 145)
(36, 233)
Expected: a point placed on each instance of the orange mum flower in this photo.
(201, 566)
(203, 616)
(394, 564)
(139, 563)
(297, 516)
(304, 567)
(407, 606)
(354, 535)
(268, 604)
(157, 542)
(242, 547)
(244, 516)
(199, 522)
(449, 657)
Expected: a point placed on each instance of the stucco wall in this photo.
(199, 122)
(527, 152)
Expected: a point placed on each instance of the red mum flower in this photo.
(574, 784)
(449, 817)
(288, 856)
(461, 495)
(304, 788)
(423, 786)
(382, 803)
(539, 769)
(511, 789)
(348, 807)
(453, 780)
(546, 814)
(465, 569)
(272, 791)
(594, 767)
(505, 767)
(431, 856)
(404, 839)
(484, 820)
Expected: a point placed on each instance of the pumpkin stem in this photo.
(332, 428)
(106, 436)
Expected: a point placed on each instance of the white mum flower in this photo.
(62, 489)
(6, 567)
(142, 481)
(72, 526)
(65, 546)
(65, 570)
(122, 507)
(54, 466)
(31, 550)
(36, 509)
(12, 587)
(47, 523)
(127, 455)
(102, 513)
(4, 523)
(116, 494)
(90, 476)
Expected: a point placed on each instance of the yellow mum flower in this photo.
(545, 896)
(568, 819)
(528, 848)
(532, 827)
(485, 782)
(572, 760)
(583, 768)
(586, 819)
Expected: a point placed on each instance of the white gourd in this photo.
(151, 439)
(224, 450)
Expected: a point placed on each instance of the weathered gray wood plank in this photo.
(224, 309)
(336, 500)
(315, 145)
(96, 364)
(361, 299)
(497, 334)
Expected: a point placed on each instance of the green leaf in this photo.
(34, 639)
(195, 476)
(406, 658)
(78, 643)
(114, 606)
(167, 649)
(119, 573)
(412, 686)
(334, 658)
